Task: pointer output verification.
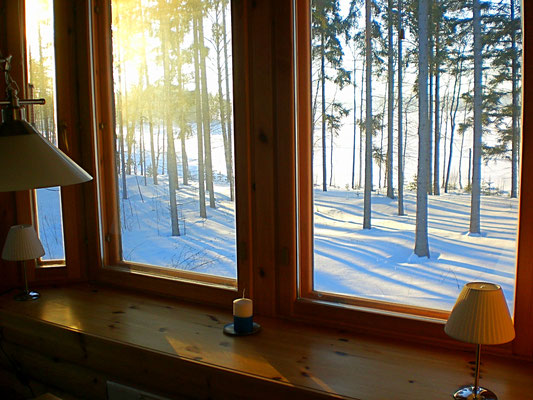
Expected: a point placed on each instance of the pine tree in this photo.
(421, 237)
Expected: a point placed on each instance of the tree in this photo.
(172, 170)
(206, 114)
(401, 35)
(390, 120)
(199, 131)
(475, 224)
(219, 43)
(327, 48)
(333, 119)
(421, 237)
(367, 209)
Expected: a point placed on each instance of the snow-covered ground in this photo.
(375, 264)
(379, 263)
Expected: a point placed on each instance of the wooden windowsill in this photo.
(178, 348)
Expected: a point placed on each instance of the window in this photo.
(376, 236)
(173, 139)
(313, 300)
(41, 76)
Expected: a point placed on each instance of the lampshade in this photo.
(480, 315)
(29, 161)
(22, 243)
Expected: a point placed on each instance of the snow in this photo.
(376, 264)
(379, 263)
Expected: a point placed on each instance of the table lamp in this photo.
(480, 316)
(22, 244)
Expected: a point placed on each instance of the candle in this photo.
(243, 315)
(242, 307)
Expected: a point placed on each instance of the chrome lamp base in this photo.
(27, 295)
(467, 393)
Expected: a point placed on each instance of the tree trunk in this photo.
(436, 160)
(400, 107)
(323, 83)
(421, 236)
(390, 122)
(206, 113)
(149, 99)
(171, 151)
(475, 217)
(354, 120)
(456, 95)
(181, 116)
(229, 151)
(331, 157)
(515, 108)
(361, 129)
(121, 130)
(222, 107)
(368, 123)
(199, 133)
(429, 169)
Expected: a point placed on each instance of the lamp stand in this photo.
(475, 392)
(26, 294)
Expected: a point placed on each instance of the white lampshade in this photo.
(29, 161)
(480, 315)
(22, 243)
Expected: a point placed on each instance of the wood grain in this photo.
(179, 348)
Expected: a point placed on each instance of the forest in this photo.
(414, 102)
(463, 59)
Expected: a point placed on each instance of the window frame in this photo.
(111, 269)
(375, 317)
(69, 269)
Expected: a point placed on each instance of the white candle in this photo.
(242, 308)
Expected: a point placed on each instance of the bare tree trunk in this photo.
(361, 129)
(199, 133)
(515, 152)
(222, 107)
(171, 151)
(390, 123)
(475, 217)
(354, 120)
(421, 236)
(206, 113)
(323, 82)
(331, 158)
(400, 109)
(368, 123)
(470, 168)
(149, 99)
(229, 152)
(121, 129)
(453, 115)
(436, 161)
(429, 169)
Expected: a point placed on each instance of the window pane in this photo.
(461, 177)
(41, 77)
(174, 134)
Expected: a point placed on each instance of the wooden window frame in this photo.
(71, 268)
(110, 268)
(374, 317)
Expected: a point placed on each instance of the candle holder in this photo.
(229, 329)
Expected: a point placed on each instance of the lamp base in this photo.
(467, 393)
(25, 296)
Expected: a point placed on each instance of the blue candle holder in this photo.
(243, 325)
